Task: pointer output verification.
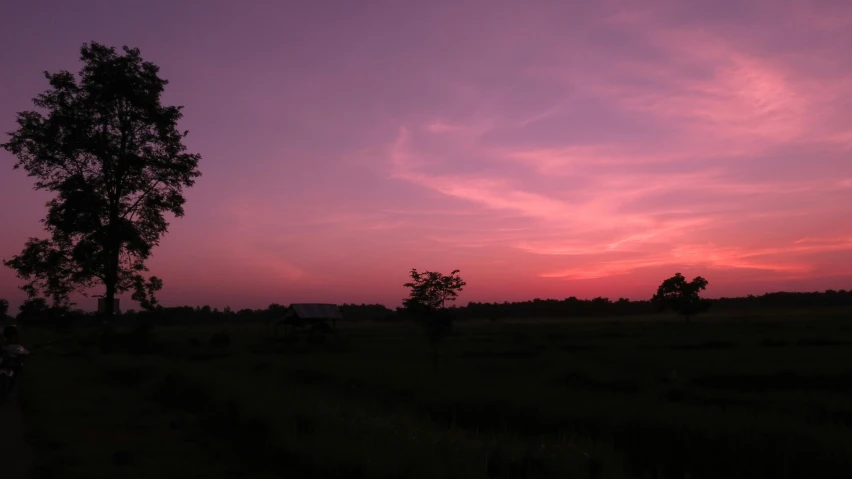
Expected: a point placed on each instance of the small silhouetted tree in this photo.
(33, 308)
(682, 296)
(426, 302)
(4, 308)
(112, 154)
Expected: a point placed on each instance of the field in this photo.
(720, 397)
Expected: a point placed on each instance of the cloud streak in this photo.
(725, 111)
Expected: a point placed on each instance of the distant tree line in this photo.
(553, 308)
(576, 308)
(829, 298)
(538, 308)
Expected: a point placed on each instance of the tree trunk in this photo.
(109, 298)
(114, 250)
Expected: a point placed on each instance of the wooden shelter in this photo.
(309, 317)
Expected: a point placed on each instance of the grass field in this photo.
(746, 397)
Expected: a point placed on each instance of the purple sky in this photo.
(545, 149)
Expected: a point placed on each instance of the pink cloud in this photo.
(782, 259)
(441, 127)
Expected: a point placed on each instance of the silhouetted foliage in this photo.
(539, 308)
(680, 295)
(601, 307)
(427, 300)
(555, 308)
(432, 289)
(366, 312)
(274, 311)
(112, 154)
(145, 291)
(4, 308)
(32, 308)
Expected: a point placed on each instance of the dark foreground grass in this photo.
(756, 398)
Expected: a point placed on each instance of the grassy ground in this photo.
(722, 398)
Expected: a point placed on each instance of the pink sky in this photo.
(544, 148)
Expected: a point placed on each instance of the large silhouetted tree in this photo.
(112, 154)
(426, 302)
(680, 295)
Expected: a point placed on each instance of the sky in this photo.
(544, 148)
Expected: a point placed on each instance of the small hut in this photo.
(309, 317)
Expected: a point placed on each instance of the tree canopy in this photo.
(680, 295)
(113, 155)
(432, 290)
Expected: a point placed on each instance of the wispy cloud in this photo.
(666, 202)
(783, 259)
(439, 126)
